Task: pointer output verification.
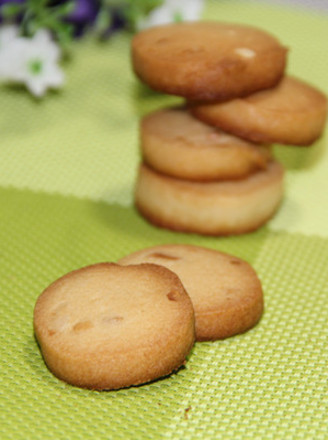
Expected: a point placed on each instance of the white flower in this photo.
(33, 62)
(8, 33)
(173, 11)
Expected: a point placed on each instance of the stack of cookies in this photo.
(207, 165)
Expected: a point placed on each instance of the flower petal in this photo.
(172, 10)
(37, 88)
(8, 33)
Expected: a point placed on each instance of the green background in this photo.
(67, 170)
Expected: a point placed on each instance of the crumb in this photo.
(186, 411)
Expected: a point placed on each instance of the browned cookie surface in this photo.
(294, 112)
(208, 60)
(106, 326)
(177, 144)
(225, 291)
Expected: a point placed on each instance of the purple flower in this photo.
(85, 11)
(83, 15)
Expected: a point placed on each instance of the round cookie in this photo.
(207, 60)
(225, 291)
(291, 113)
(107, 327)
(209, 208)
(200, 151)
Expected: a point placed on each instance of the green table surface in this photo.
(67, 170)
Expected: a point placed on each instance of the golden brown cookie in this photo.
(208, 60)
(106, 326)
(210, 208)
(225, 291)
(291, 113)
(177, 144)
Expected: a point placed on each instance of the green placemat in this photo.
(67, 168)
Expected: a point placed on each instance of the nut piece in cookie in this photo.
(225, 291)
(106, 326)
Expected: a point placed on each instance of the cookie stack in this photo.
(207, 166)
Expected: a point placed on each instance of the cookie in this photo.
(293, 113)
(225, 291)
(207, 60)
(177, 144)
(210, 208)
(107, 327)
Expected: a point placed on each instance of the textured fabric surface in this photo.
(67, 167)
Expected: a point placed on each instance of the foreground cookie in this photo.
(225, 291)
(210, 208)
(207, 60)
(107, 326)
(291, 113)
(200, 151)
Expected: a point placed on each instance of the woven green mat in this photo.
(67, 167)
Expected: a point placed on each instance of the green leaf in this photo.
(137, 9)
(10, 10)
(31, 27)
(63, 10)
(64, 34)
(36, 4)
(104, 20)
